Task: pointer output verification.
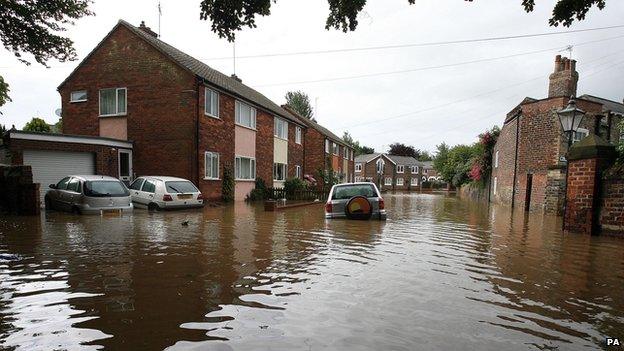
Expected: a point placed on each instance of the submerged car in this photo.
(89, 194)
(355, 201)
(160, 193)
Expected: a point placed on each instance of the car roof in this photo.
(165, 178)
(93, 177)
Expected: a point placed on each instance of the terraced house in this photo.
(184, 118)
(389, 172)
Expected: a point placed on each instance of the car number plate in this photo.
(185, 196)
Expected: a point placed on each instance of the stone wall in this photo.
(474, 192)
(19, 194)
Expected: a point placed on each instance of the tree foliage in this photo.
(357, 148)
(230, 16)
(227, 187)
(37, 125)
(34, 27)
(300, 102)
(400, 149)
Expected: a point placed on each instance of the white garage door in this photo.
(48, 167)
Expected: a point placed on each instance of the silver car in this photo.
(160, 193)
(355, 201)
(89, 194)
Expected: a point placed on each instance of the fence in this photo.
(299, 195)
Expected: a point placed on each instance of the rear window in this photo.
(349, 191)
(179, 187)
(105, 188)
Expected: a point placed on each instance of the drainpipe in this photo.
(197, 165)
(515, 176)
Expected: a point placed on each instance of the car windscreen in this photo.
(349, 191)
(180, 187)
(105, 188)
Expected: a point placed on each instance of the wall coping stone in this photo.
(592, 146)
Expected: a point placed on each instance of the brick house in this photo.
(185, 118)
(389, 172)
(429, 174)
(324, 150)
(529, 156)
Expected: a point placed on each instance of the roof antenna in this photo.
(569, 49)
(159, 15)
(234, 55)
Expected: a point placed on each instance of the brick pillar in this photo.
(587, 160)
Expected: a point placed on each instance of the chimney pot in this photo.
(147, 29)
(236, 78)
(563, 82)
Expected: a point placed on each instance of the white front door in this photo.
(125, 165)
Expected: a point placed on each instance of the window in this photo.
(345, 153)
(326, 146)
(400, 169)
(579, 135)
(74, 185)
(358, 167)
(113, 102)
(414, 169)
(280, 128)
(298, 134)
(335, 149)
(496, 159)
(211, 165)
(399, 181)
(211, 103)
(495, 185)
(414, 181)
(388, 181)
(78, 96)
(106, 188)
(245, 168)
(298, 171)
(245, 115)
(380, 166)
(62, 185)
(180, 187)
(279, 171)
(149, 186)
(136, 185)
(351, 153)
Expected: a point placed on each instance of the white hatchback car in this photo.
(159, 193)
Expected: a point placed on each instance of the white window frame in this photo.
(208, 94)
(351, 154)
(400, 168)
(583, 131)
(414, 169)
(116, 102)
(335, 149)
(238, 105)
(213, 156)
(358, 167)
(327, 148)
(414, 181)
(495, 185)
(297, 171)
(496, 159)
(71, 96)
(237, 160)
(399, 181)
(277, 123)
(345, 153)
(388, 181)
(380, 166)
(284, 171)
(298, 134)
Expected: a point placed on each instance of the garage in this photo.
(48, 167)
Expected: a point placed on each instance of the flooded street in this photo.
(440, 274)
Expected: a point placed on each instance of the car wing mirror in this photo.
(52, 186)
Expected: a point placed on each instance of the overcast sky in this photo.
(422, 108)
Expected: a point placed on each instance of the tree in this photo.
(365, 150)
(357, 148)
(33, 27)
(440, 160)
(230, 16)
(37, 125)
(399, 149)
(2, 131)
(300, 102)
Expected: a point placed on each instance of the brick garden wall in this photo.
(612, 202)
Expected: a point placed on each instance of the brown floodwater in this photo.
(440, 274)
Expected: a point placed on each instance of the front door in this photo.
(125, 166)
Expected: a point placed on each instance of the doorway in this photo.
(125, 166)
(529, 188)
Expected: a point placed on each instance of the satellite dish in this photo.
(58, 112)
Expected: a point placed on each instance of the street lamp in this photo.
(570, 118)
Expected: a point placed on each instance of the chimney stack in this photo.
(236, 78)
(563, 81)
(147, 30)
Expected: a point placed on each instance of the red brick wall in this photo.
(161, 103)
(216, 135)
(264, 147)
(314, 152)
(581, 193)
(612, 206)
(295, 151)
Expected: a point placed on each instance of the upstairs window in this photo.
(326, 146)
(414, 169)
(113, 102)
(78, 96)
(335, 149)
(345, 153)
(298, 135)
(400, 168)
(211, 103)
(358, 167)
(280, 128)
(245, 115)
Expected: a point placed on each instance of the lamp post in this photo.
(570, 118)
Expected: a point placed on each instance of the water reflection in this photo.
(439, 274)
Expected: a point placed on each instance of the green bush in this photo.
(292, 186)
(227, 188)
(260, 192)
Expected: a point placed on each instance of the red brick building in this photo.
(185, 118)
(529, 156)
(389, 172)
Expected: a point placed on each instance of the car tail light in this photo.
(382, 205)
(200, 196)
(328, 207)
(167, 197)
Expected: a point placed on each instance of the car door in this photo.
(148, 189)
(135, 191)
(72, 193)
(54, 195)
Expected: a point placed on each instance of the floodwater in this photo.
(440, 274)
